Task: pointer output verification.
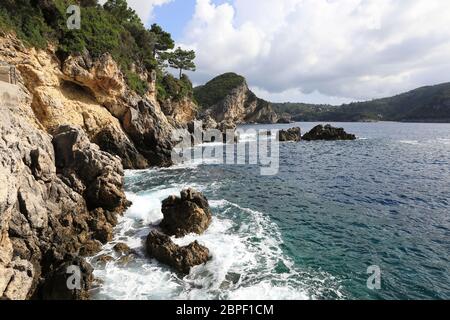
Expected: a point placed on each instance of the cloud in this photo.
(335, 50)
(144, 8)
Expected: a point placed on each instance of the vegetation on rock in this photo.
(112, 28)
(217, 89)
(431, 103)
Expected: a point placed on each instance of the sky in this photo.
(316, 51)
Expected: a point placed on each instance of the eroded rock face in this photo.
(240, 105)
(187, 214)
(162, 248)
(293, 134)
(328, 132)
(92, 94)
(151, 136)
(58, 197)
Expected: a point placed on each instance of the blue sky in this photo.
(174, 16)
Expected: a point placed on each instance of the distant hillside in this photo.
(227, 99)
(426, 104)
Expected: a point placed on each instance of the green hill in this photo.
(217, 89)
(426, 104)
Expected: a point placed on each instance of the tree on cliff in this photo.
(163, 40)
(182, 60)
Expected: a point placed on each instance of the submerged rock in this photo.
(328, 132)
(187, 214)
(163, 249)
(293, 134)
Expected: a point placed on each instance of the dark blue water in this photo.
(312, 230)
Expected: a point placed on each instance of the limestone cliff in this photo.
(93, 95)
(67, 131)
(228, 101)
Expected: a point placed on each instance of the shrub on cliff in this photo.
(176, 89)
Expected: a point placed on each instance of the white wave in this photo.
(413, 142)
(245, 249)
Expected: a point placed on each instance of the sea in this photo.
(350, 220)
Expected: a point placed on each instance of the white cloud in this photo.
(333, 49)
(144, 8)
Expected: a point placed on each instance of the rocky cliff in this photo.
(67, 131)
(228, 101)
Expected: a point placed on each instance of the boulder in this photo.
(187, 214)
(328, 132)
(293, 134)
(162, 248)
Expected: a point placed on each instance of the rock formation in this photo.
(92, 94)
(187, 214)
(67, 131)
(59, 197)
(162, 248)
(227, 100)
(327, 132)
(293, 134)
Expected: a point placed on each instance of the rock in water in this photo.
(162, 248)
(189, 214)
(328, 133)
(293, 134)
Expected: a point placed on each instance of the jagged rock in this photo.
(49, 188)
(162, 248)
(293, 134)
(179, 112)
(328, 133)
(111, 141)
(151, 136)
(100, 172)
(20, 281)
(187, 214)
(227, 98)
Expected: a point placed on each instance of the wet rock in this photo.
(293, 134)
(187, 214)
(162, 248)
(104, 259)
(122, 249)
(328, 132)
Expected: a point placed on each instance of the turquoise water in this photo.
(312, 230)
